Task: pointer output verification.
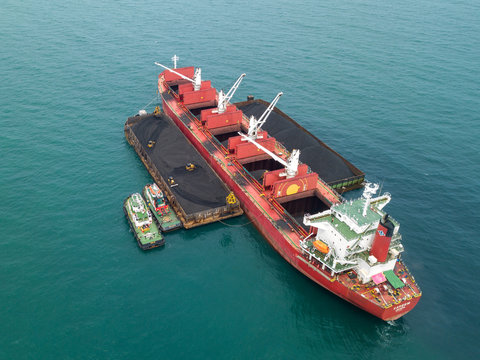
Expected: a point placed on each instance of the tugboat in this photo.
(157, 203)
(140, 219)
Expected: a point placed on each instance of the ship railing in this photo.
(187, 112)
(219, 146)
(299, 229)
(275, 205)
(413, 279)
(292, 223)
(250, 177)
(331, 189)
(350, 181)
(304, 246)
(193, 118)
(217, 143)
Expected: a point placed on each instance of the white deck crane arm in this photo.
(255, 125)
(224, 99)
(197, 78)
(291, 165)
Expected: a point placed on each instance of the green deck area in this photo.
(393, 279)
(353, 209)
(150, 236)
(167, 222)
(170, 221)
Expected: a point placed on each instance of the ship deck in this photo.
(384, 294)
(198, 196)
(335, 170)
(279, 214)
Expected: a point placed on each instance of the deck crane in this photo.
(291, 164)
(255, 125)
(197, 78)
(224, 99)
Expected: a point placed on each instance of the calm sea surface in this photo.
(392, 86)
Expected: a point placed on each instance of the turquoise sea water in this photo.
(392, 86)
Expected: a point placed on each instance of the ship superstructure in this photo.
(358, 239)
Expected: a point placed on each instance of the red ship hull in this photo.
(266, 218)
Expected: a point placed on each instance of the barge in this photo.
(350, 248)
(193, 189)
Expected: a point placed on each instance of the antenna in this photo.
(381, 187)
(175, 58)
(370, 189)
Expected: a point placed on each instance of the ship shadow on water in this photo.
(321, 317)
(326, 321)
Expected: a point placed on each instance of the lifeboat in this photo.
(321, 246)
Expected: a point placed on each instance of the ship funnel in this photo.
(382, 239)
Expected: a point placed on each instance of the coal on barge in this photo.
(330, 166)
(193, 189)
(351, 248)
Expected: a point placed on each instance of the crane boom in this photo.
(291, 165)
(255, 124)
(197, 78)
(224, 99)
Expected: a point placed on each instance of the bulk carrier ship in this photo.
(351, 248)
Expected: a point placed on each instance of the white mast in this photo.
(255, 124)
(197, 78)
(224, 99)
(370, 189)
(175, 58)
